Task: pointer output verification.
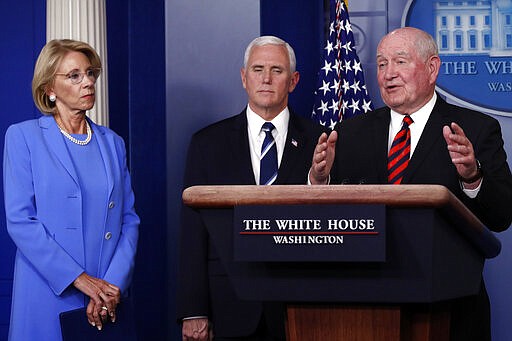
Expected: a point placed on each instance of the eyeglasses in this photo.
(76, 77)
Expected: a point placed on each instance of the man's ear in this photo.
(294, 80)
(242, 75)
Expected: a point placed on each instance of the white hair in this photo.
(271, 40)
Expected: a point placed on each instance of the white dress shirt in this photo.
(257, 136)
(419, 118)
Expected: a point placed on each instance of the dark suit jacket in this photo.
(219, 155)
(361, 157)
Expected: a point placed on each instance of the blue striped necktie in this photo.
(268, 156)
(399, 153)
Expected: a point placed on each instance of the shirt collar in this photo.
(280, 122)
(419, 117)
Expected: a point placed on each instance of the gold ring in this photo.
(104, 308)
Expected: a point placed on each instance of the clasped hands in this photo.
(104, 298)
(459, 147)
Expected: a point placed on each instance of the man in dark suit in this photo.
(451, 146)
(228, 153)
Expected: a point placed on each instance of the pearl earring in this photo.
(52, 98)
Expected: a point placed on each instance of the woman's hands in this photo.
(104, 299)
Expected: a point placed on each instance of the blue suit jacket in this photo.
(43, 204)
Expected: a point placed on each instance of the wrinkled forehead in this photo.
(395, 45)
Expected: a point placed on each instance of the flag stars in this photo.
(334, 106)
(356, 66)
(344, 106)
(329, 48)
(327, 67)
(341, 92)
(347, 66)
(347, 47)
(337, 66)
(338, 45)
(348, 27)
(333, 124)
(323, 107)
(367, 106)
(325, 87)
(354, 106)
(336, 86)
(345, 86)
(355, 87)
(341, 26)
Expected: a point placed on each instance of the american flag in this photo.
(341, 92)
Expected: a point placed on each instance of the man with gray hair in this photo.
(418, 138)
(263, 145)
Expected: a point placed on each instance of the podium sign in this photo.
(435, 252)
(310, 233)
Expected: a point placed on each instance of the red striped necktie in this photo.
(399, 153)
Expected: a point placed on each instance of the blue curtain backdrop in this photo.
(22, 30)
(301, 24)
(136, 60)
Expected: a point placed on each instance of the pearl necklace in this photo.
(74, 140)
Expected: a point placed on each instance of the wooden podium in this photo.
(436, 250)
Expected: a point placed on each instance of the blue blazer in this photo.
(43, 204)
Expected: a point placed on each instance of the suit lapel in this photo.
(293, 148)
(106, 146)
(380, 132)
(432, 133)
(240, 151)
(57, 145)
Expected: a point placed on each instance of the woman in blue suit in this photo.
(68, 199)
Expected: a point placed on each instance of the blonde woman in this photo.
(68, 199)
